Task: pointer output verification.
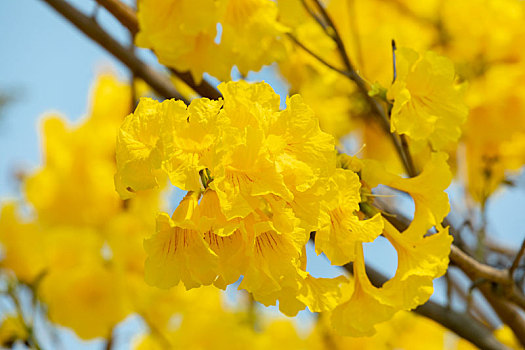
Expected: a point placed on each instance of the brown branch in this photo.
(160, 83)
(123, 13)
(516, 261)
(477, 270)
(203, 88)
(461, 324)
(507, 312)
(496, 247)
(110, 342)
(128, 18)
(472, 266)
(472, 306)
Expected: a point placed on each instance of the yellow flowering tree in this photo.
(371, 144)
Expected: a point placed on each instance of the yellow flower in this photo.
(21, 245)
(419, 262)
(210, 218)
(177, 252)
(245, 174)
(110, 103)
(183, 34)
(365, 301)
(340, 235)
(168, 138)
(492, 148)
(421, 257)
(72, 170)
(427, 104)
(87, 298)
(72, 186)
(303, 152)
(427, 190)
(251, 33)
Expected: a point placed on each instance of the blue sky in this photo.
(48, 65)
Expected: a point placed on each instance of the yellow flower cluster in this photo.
(256, 177)
(262, 181)
(259, 180)
(481, 37)
(184, 34)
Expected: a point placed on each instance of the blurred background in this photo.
(47, 65)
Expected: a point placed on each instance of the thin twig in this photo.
(497, 247)
(503, 278)
(160, 83)
(12, 293)
(110, 341)
(394, 61)
(472, 306)
(516, 261)
(317, 19)
(337, 38)
(505, 310)
(317, 57)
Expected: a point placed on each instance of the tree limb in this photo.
(160, 83)
(477, 270)
(123, 13)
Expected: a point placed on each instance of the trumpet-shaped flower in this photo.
(427, 190)
(339, 237)
(427, 104)
(420, 260)
(178, 252)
